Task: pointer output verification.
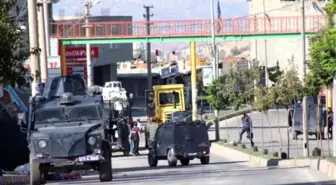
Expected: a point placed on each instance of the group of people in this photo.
(134, 137)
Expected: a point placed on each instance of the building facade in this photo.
(284, 49)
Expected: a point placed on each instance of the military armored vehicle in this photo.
(312, 120)
(182, 139)
(67, 130)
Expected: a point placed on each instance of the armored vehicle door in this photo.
(189, 137)
(161, 146)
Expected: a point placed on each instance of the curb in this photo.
(256, 161)
(255, 127)
(230, 115)
(14, 180)
(321, 165)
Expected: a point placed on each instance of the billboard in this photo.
(76, 60)
(207, 75)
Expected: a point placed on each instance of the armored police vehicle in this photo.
(182, 139)
(312, 120)
(67, 130)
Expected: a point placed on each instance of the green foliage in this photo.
(12, 70)
(262, 101)
(233, 89)
(288, 88)
(322, 64)
(218, 94)
(330, 10)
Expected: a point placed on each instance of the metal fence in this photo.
(271, 132)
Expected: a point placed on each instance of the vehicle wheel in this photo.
(172, 160)
(295, 135)
(35, 172)
(185, 162)
(205, 160)
(152, 160)
(105, 168)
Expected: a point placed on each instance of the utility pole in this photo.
(193, 80)
(265, 42)
(214, 62)
(47, 26)
(147, 16)
(33, 44)
(42, 42)
(304, 102)
(89, 70)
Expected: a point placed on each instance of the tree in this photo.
(262, 105)
(12, 70)
(287, 89)
(322, 64)
(218, 95)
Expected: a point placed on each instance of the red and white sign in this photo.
(80, 52)
(54, 62)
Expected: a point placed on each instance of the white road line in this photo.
(311, 178)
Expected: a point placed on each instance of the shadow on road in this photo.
(172, 175)
(147, 168)
(332, 182)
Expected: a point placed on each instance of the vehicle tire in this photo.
(185, 162)
(35, 172)
(152, 160)
(105, 168)
(295, 135)
(205, 160)
(172, 160)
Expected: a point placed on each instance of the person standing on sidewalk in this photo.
(131, 139)
(247, 125)
(136, 130)
(330, 118)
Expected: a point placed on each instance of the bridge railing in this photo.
(183, 28)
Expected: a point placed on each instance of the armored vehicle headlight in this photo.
(42, 144)
(92, 140)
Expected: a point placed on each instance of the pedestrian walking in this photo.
(136, 130)
(330, 118)
(247, 127)
(131, 139)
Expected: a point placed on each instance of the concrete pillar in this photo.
(113, 72)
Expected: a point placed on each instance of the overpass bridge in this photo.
(186, 30)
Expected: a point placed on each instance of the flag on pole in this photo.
(219, 17)
(316, 6)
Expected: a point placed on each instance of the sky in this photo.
(163, 9)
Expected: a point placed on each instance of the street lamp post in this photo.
(304, 102)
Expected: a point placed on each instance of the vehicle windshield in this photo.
(63, 114)
(168, 98)
(83, 112)
(49, 115)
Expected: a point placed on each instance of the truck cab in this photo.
(161, 102)
(168, 99)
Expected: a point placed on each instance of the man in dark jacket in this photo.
(247, 125)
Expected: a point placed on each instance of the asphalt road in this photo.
(221, 171)
(271, 136)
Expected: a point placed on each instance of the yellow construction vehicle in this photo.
(161, 102)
